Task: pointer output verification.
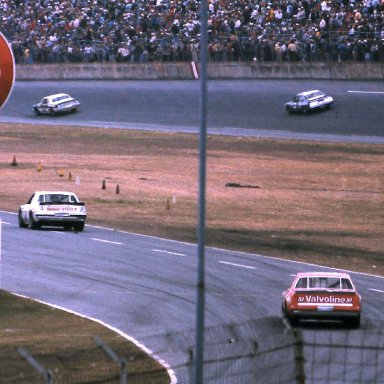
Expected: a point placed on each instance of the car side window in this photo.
(301, 283)
(30, 199)
(346, 284)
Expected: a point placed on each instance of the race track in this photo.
(147, 286)
(238, 107)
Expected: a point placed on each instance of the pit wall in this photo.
(188, 71)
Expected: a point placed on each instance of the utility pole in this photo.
(200, 314)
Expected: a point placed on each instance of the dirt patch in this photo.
(307, 201)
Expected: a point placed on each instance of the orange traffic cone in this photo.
(14, 162)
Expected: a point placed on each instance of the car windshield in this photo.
(323, 282)
(299, 98)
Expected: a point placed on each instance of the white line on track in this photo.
(107, 241)
(237, 265)
(376, 290)
(168, 252)
(368, 92)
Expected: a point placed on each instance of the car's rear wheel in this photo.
(21, 221)
(353, 323)
(79, 227)
(32, 222)
(294, 321)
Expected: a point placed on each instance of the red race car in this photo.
(322, 295)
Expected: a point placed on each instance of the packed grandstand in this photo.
(54, 31)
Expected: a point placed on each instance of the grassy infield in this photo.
(315, 202)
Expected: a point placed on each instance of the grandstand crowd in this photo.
(54, 31)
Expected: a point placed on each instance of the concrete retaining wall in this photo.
(183, 71)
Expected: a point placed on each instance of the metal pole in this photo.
(1, 246)
(198, 368)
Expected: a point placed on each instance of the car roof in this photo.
(306, 93)
(322, 274)
(54, 193)
(58, 94)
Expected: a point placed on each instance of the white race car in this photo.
(53, 208)
(305, 102)
(58, 103)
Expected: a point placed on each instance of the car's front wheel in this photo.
(21, 221)
(52, 112)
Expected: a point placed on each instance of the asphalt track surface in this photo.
(238, 107)
(146, 286)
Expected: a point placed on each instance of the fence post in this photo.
(46, 373)
(118, 360)
(191, 365)
(299, 356)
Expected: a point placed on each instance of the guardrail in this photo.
(188, 71)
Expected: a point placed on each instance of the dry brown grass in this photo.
(307, 201)
(63, 343)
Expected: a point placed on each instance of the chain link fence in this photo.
(265, 350)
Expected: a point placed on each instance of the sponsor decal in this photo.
(61, 209)
(317, 299)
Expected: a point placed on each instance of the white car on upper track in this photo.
(57, 103)
(305, 102)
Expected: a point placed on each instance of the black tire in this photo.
(36, 111)
(305, 111)
(52, 112)
(79, 227)
(294, 321)
(353, 323)
(32, 222)
(21, 221)
(288, 110)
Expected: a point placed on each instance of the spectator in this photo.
(104, 30)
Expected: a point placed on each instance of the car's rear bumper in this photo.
(59, 220)
(314, 314)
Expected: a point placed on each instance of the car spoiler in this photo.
(61, 203)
